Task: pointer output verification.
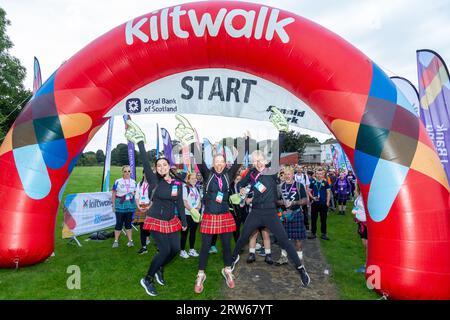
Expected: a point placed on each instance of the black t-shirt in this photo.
(292, 192)
(263, 186)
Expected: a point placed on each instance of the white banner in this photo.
(221, 92)
(87, 212)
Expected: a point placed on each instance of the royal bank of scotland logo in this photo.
(133, 105)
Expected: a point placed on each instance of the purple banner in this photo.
(434, 91)
(167, 145)
(131, 160)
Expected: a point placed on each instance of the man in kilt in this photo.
(292, 197)
(216, 218)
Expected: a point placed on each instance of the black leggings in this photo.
(266, 218)
(206, 245)
(305, 215)
(238, 214)
(168, 245)
(123, 218)
(192, 229)
(316, 209)
(143, 234)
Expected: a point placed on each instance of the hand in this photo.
(328, 204)
(184, 131)
(184, 228)
(278, 119)
(243, 192)
(287, 203)
(133, 133)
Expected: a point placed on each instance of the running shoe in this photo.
(304, 276)
(251, 258)
(143, 250)
(199, 283)
(147, 284)
(159, 276)
(193, 253)
(130, 244)
(229, 277)
(213, 249)
(184, 254)
(282, 261)
(235, 261)
(115, 244)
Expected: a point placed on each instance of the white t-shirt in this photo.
(142, 193)
(193, 198)
(302, 178)
(124, 187)
(358, 209)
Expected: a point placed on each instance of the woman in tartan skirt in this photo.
(161, 220)
(292, 196)
(216, 219)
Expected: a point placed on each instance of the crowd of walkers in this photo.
(229, 201)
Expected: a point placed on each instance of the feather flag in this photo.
(409, 91)
(167, 146)
(37, 78)
(434, 92)
(107, 164)
(131, 159)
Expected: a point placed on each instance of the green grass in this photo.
(115, 274)
(105, 273)
(345, 253)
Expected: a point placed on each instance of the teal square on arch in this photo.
(371, 140)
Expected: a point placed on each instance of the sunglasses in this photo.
(127, 171)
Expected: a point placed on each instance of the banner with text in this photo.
(220, 92)
(87, 212)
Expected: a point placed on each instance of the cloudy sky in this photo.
(387, 31)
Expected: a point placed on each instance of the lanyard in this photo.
(219, 181)
(287, 193)
(318, 189)
(195, 193)
(127, 185)
(255, 179)
(144, 188)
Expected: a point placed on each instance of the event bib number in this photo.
(260, 187)
(219, 197)
(174, 191)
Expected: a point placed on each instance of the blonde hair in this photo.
(258, 153)
(289, 169)
(126, 166)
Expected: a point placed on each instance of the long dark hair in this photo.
(173, 174)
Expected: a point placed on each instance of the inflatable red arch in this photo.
(403, 184)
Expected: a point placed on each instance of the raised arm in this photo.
(134, 134)
(152, 180)
(186, 134)
(280, 122)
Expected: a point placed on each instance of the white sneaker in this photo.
(193, 253)
(130, 244)
(115, 244)
(184, 254)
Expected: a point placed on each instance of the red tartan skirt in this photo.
(162, 226)
(217, 223)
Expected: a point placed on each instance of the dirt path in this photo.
(261, 281)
